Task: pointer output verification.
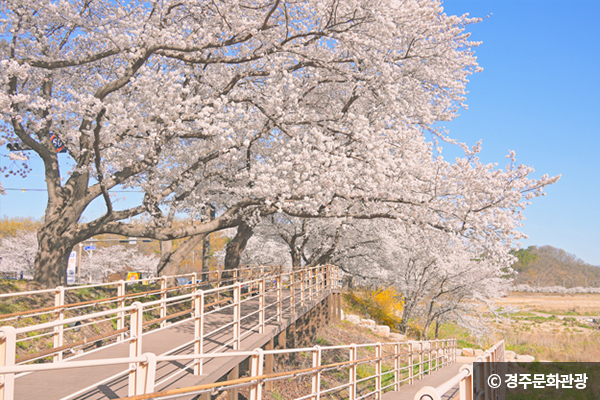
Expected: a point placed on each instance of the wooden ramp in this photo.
(111, 382)
(407, 392)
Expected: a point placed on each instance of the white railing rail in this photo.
(313, 282)
(404, 358)
(464, 379)
(120, 288)
(72, 317)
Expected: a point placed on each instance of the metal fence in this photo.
(468, 388)
(408, 361)
(131, 315)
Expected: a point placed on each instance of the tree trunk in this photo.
(406, 315)
(234, 251)
(170, 260)
(52, 257)
(166, 251)
(296, 260)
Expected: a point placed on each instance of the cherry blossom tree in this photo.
(295, 242)
(18, 253)
(441, 275)
(99, 264)
(315, 108)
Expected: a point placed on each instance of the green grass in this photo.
(525, 314)
(525, 348)
(538, 319)
(574, 313)
(451, 330)
(364, 370)
(22, 345)
(322, 342)
(85, 292)
(277, 396)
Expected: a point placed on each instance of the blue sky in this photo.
(537, 95)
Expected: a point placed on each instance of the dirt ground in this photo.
(565, 304)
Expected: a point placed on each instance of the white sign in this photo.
(71, 268)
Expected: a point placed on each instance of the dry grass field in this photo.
(559, 304)
(547, 326)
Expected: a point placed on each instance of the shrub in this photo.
(382, 305)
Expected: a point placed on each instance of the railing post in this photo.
(466, 385)
(163, 298)
(321, 279)
(420, 359)
(146, 374)
(269, 358)
(434, 353)
(430, 348)
(121, 314)
(59, 301)
(136, 324)
(455, 348)
(445, 353)
(194, 280)
(237, 291)
(8, 345)
(352, 373)
(218, 292)
(316, 377)
(396, 367)
(261, 305)
(311, 277)
(378, 370)
(411, 361)
(279, 296)
(315, 282)
(292, 292)
(256, 369)
(198, 330)
(302, 288)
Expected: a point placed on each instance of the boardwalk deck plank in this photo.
(60, 384)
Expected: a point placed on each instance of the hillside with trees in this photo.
(548, 266)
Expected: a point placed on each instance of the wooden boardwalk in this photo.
(84, 382)
(407, 392)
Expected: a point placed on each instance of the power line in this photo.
(45, 190)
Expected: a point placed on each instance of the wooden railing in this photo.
(468, 388)
(406, 363)
(130, 322)
(125, 295)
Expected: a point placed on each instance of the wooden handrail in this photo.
(249, 379)
(245, 380)
(104, 300)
